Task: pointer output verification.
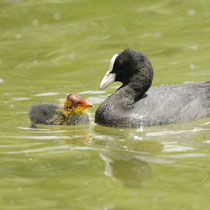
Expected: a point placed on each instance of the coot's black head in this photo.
(129, 66)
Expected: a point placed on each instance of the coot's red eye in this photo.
(120, 63)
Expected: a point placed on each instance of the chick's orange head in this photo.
(73, 100)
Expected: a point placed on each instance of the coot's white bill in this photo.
(109, 77)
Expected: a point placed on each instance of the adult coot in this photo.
(71, 112)
(133, 105)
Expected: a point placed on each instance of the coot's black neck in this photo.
(134, 90)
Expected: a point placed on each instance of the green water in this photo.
(49, 48)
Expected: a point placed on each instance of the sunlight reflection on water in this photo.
(46, 94)
(49, 48)
(171, 132)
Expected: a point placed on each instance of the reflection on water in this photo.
(132, 172)
(46, 94)
(1, 80)
(51, 48)
(80, 160)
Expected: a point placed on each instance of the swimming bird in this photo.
(72, 111)
(135, 104)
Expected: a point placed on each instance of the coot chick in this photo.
(71, 112)
(134, 104)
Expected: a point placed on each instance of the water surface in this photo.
(51, 48)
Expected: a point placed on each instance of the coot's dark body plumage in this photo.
(132, 105)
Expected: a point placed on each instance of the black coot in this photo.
(134, 104)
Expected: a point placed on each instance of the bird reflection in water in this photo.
(132, 172)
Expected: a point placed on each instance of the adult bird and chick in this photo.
(134, 103)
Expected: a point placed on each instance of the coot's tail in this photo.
(42, 113)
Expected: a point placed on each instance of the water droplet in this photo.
(191, 12)
(206, 14)
(192, 66)
(194, 47)
(157, 34)
(18, 36)
(56, 16)
(21, 99)
(20, 188)
(45, 26)
(46, 94)
(35, 22)
(1, 80)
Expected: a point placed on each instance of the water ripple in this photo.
(21, 99)
(1, 80)
(171, 132)
(207, 141)
(41, 149)
(49, 131)
(38, 137)
(173, 147)
(155, 160)
(92, 92)
(96, 100)
(46, 94)
(187, 155)
(26, 128)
